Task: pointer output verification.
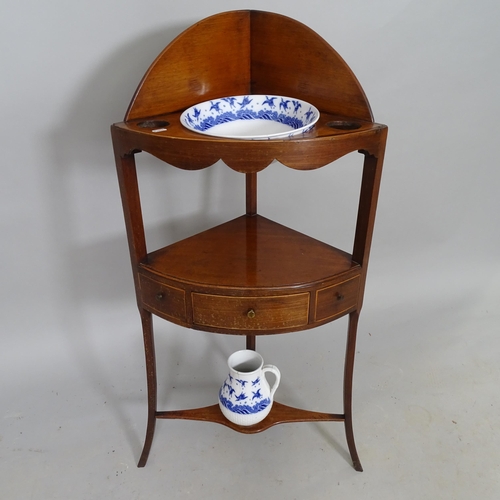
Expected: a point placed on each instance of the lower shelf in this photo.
(280, 414)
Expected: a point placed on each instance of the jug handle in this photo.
(277, 374)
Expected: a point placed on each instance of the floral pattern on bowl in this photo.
(251, 117)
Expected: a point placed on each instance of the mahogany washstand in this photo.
(280, 281)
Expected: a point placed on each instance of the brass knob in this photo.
(159, 296)
(251, 314)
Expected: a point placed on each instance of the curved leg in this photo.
(149, 348)
(348, 373)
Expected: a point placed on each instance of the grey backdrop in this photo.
(70, 341)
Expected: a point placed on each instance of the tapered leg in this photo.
(348, 373)
(149, 347)
(251, 342)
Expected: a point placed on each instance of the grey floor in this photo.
(427, 374)
(426, 411)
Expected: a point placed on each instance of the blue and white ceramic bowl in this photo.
(257, 117)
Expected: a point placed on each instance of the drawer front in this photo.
(251, 313)
(337, 299)
(162, 299)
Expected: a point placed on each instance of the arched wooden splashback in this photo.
(248, 52)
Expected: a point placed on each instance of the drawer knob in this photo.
(159, 296)
(340, 296)
(251, 314)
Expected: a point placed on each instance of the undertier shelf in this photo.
(280, 414)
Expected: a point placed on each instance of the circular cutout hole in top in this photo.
(153, 124)
(343, 125)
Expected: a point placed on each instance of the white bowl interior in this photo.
(251, 117)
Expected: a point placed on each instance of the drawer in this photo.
(251, 313)
(337, 299)
(166, 301)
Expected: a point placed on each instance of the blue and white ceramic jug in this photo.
(245, 398)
